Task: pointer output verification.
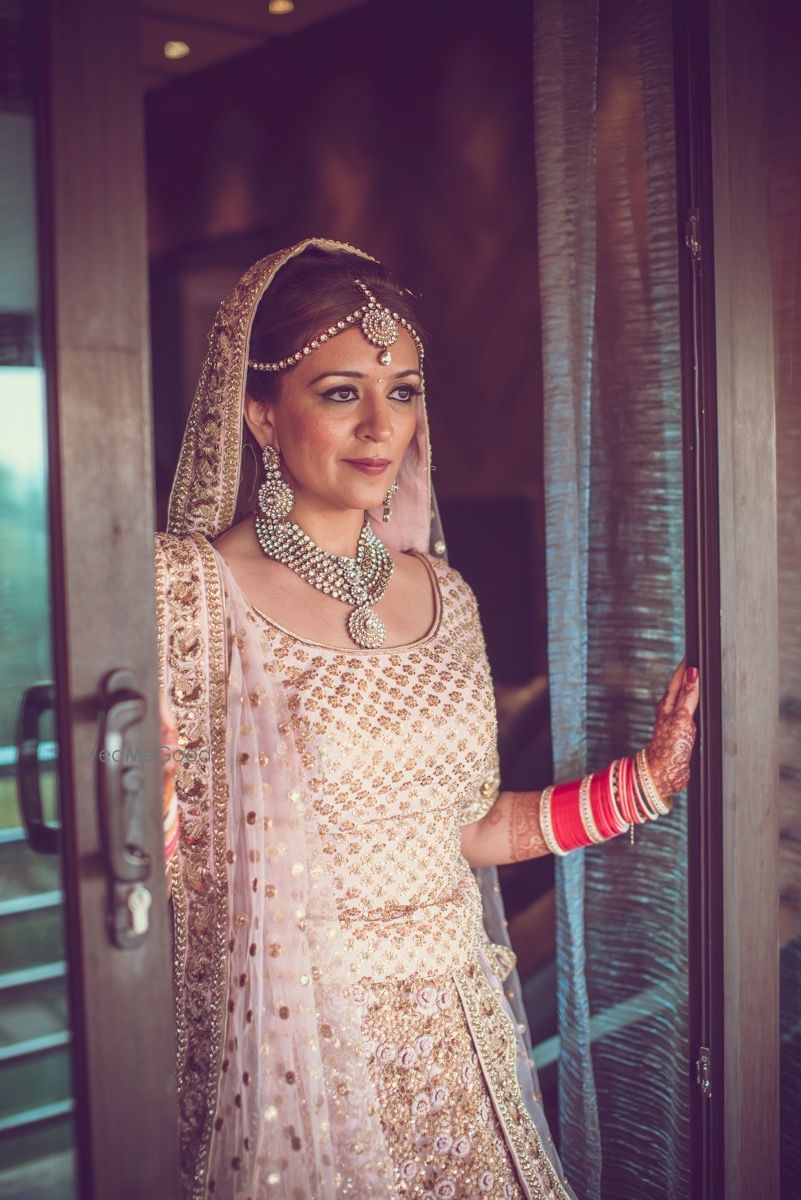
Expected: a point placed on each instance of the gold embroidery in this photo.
(444, 1138)
(175, 875)
(404, 737)
(485, 795)
(161, 613)
(218, 663)
(496, 1044)
(188, 575)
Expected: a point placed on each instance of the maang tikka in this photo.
(379, 324)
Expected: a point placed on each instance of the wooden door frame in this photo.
(730, 470)
(749, 596)
(702, 576)
(95, 335)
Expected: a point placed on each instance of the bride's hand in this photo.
(168, 742)
(169, 769)
(672, 741)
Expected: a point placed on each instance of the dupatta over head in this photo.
(274, 1087)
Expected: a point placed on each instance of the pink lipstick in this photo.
(370, 466)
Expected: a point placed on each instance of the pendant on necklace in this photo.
(366, 627)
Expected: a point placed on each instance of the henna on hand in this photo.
(671, 746)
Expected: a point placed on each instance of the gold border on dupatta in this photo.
(174, 876)
(189, 581)
(177, 899)
(496, 1045)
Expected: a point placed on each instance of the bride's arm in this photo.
(169, 769)
(600, 806)
(509, 832)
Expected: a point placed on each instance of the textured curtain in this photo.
(613, 481)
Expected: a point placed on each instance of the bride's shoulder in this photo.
(231, 544)
(444, 571)
(453, 587)
(458, 596)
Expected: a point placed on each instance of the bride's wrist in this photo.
(598, 807)
(653, 781)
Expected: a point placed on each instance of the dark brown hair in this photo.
(313, 290)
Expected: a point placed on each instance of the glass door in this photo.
(85, 961)
(36, 1093)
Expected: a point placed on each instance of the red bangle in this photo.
(600, 813)
(627, 803)
(603, 811)
(599, 806)
(568, 826)
(560, 812)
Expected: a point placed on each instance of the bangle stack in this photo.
(588, 811)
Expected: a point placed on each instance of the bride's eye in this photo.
(405, 393)
(410, 391)
(338, 394)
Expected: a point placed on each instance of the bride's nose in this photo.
(375, 421)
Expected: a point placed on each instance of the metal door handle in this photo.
(121, 799)
(43, 836)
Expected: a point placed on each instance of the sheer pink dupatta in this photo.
(296, 1113)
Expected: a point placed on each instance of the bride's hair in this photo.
(313, 290)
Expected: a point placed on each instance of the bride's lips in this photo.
(370, 466)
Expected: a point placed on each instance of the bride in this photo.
(347, 1011)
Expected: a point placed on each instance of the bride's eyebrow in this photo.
(360, 375)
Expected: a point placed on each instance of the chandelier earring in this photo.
(386, 516)
(276, 497)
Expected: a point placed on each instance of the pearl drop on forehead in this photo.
(379, 324)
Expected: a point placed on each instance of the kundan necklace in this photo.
(360, 581)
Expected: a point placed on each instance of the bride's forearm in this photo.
(590, 810)
(509, 832)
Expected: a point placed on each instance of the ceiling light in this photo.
(175, 50)
(279, 8)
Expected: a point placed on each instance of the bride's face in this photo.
(343, 421)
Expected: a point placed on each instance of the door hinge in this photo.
(703, 1071)
(692, 238)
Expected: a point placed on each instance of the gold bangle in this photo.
(585, 811)
(660, 806)
(642, 802)
(546, 825)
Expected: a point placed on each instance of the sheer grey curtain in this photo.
(613, 479)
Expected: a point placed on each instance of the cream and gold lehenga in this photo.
(346, 1025)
